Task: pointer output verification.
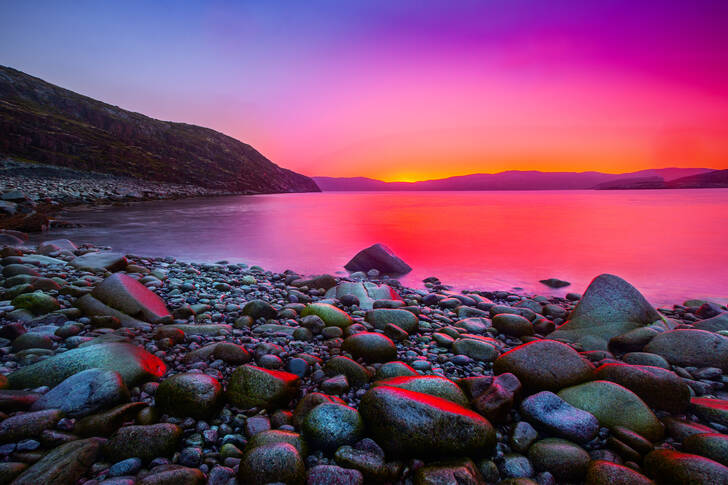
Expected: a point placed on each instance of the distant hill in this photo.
(511, 180)
(714, 179)
(45, 123)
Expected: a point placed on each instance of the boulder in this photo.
(378, 257)
(689, 347)
(545, 365)
(38, 303)
(251, 386)
(65, 464)
(145, 442)
(331, 425)
(272, 463)
(565, 460)
(609, 307)
(331, 315)
(127, 295)
(85, 393)
(432, 385)
(133, 363)
(713, 324)
(90, 306)
(189, 394)
(414, 424)
(404, 319)
(614, 405)
(550, 413)
(668, 466)
(370, 346)
(366, 292)
(601, 472)
(709, 445)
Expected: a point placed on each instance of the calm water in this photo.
(670, 244)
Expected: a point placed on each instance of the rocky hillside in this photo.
(46, 123)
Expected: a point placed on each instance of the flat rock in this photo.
(28, 425)
(127, 295)
(414, 424)
(100, 261)
(85, 393)
(609, 307)
(379, 257)
(133, 363)
(545, 365)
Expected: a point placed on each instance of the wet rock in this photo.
(565, 460)
(380, 258)
(476, 349)
(133, 363)
(279, 436)
(127, 295)
(498, 399)
(331, 315)
(85, 393)
(28, 425)
(614, 405)
(545, 365)
(555, 283)
(370, 346)
(189, 394)
(415, 424)
(513, 325)
(713, 324)
(105, 423)
(331, 425)
(549, 412)
(355, 373)
(668, 466)
(272, 463)
(365, 292)
(711, 410)
(601, 472)
(65, 464)
(609, 307)
(687, 347)
(94, 308)
(394, 369)
(404, 319)
(144, 442)
(659, 388)
(432, 385)
(709, 445)
(251, 386)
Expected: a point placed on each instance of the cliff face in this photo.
(46, 123)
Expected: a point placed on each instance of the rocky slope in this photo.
(121, 369)
(45, 123)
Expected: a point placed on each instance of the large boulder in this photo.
(378, 257)
(713, 324)
(414, 424)
(689, 347)
(127, 295)
(85, 393)
(189, 394)
(366, 292)
(614, 405)
(610, 307)
(545, 365)
(272, 463)
(251, 386)
(90, 306)
(100, 261)
(133, 363)
(660, 388)
(432, 385)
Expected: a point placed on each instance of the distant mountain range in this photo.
(535, 180)
(41, 122)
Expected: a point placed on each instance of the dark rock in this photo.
(668, 466)
(659, 388)
(331, 425)
(687, 347)
(189, 394)
(145, 442)
(378, 257)
(127, 295)
(251, 386)
(370, 346)
(272, 463)
(65, 464)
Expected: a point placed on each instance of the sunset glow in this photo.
(408, 90)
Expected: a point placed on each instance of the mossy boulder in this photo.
(272, 463)
(189, 394)
(331, 315)
(252, 386)
(38, 303)
(404, 319)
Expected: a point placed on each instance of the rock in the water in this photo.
(614, 405)
(251, 386)
(545, 365)
(189, 394)
(555, 283)
(370, 346)
(688, 347)
(331, 315)
(432, 385)
(100, 261)
(65, 464)
(133, 363)
(549, 412)
(85, 393)
(411, 423)
(660, 388)
(565, 460)
(145, 442)
(272, 463)
(378, 257)
(610, 307)
(127, 295)
(331, 425)
(668, 466)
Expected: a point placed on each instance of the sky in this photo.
(406, 90)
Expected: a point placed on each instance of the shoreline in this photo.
(257, 366)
